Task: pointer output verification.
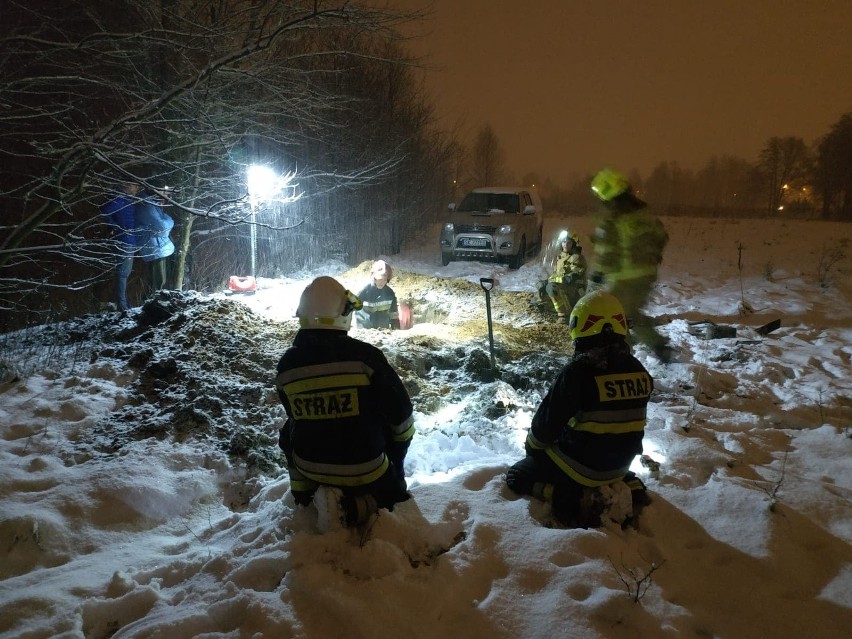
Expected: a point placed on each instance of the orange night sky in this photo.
(571, 85)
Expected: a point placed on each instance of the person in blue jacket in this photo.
(153, 226)
(121, 211)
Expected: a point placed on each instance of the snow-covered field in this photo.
(141, 493)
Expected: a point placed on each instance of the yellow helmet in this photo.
(596, 313)
(609, 184)
(326, 304)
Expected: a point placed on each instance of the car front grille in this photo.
(475, 228)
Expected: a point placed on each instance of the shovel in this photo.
(487, 284)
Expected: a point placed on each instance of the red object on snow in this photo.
(406, 318)
(242, 284)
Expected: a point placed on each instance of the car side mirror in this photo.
(451, 206)
(529, 209)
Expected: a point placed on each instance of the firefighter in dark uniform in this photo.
(350, 418)
(380, 308)
(590, 425)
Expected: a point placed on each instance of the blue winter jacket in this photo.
(153, 226)
(121, 211)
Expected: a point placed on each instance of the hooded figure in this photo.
(121, 211)
(153, 226)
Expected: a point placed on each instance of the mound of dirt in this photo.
(203, 367)
(460, 305)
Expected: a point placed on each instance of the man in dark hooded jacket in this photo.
(121, 211)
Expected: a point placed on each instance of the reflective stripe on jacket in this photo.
(591, 422)
(629, 245)
(380, 308)
(567, 265)
(349, 408)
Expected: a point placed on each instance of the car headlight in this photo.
(449, 228)
(505, 229)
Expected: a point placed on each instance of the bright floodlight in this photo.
(262, 183)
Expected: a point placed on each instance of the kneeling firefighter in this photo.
(590, 425)
(349, 417)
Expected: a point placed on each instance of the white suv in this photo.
(498, 223)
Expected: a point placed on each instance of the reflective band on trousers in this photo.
(343, 474)
(582, 474)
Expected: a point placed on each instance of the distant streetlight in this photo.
(263, 186)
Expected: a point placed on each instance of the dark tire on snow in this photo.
(516, 260)
(540, 245)
(445, 259)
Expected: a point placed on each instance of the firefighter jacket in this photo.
(592, 421)
(380, 307)
(629, 245)
(570, 269)
(350, 415)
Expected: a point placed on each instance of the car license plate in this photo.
(474, 242)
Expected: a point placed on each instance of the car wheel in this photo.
(540, 243)
(445, 259)
(518, 258)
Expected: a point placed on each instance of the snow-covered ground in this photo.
(141, 493)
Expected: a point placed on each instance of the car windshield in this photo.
(484, 202)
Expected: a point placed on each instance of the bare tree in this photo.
(726, 183)
(487, 159)
(669, 188)
(834, 170)
(189, 92)
(783, 161)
